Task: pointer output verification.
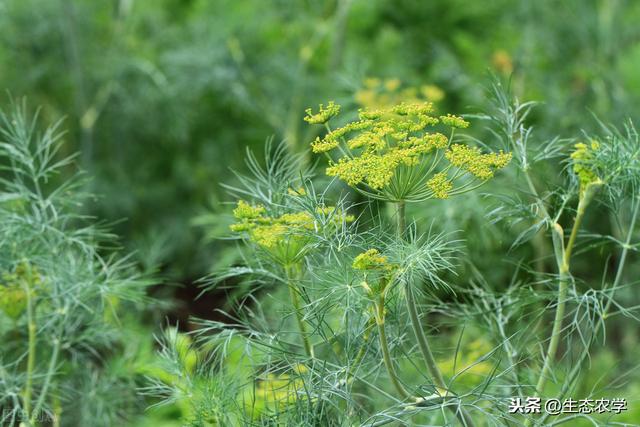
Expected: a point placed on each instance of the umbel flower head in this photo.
(393, 154)
(285, 237)
(372, 262)
(583, 166)
(323, 115)
(14, 287)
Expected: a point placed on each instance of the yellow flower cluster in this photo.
(471, 159)
(454, 121)
(268, 231)
(581, 157)
(371, 260)
(332, 139)
(13, 292)
(246, 211)
(502, 61)
(384, 143)
(376, 170)
(377, 93)
(440, 185)
(323, 115)
(387, 140)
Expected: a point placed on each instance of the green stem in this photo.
(401, 219)
(421, 338)
(52, 366)
(625, 251)
(573, 375)
(565, 276)
(295, 301)
(31, 355)
(423, 344)
(384, 345)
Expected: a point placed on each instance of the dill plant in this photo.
(60, 295)
(347, 278)
(601, 173)
(332, 327)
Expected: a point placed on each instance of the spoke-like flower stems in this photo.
(401, 219)
(384, 345)
(295, 301)
(423, 343)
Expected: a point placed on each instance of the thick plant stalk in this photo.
(563, 284)
(47, 381)
(421, 338)
(386, 355)
(616, 282)
(423, 344)
(295, 301)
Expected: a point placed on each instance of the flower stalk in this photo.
(573, 375)
(421, 337)
(384, 345)
(47, 381)
(294, 295)
(564, 261)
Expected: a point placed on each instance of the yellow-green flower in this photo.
(454, 121)
(392, 85)
(391, 153)
(284, 236)
(582, 157)
(14, 287)
(324, 113)
(432, 93)
(440, 185)
(371, 260)
(13, 300)
(246, 211)
(475, 162)
(377, 93)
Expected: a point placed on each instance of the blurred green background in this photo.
(161, 97)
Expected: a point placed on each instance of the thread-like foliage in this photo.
(61, 289)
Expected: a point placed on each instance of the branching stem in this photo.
(623, 257)
(563, 284)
